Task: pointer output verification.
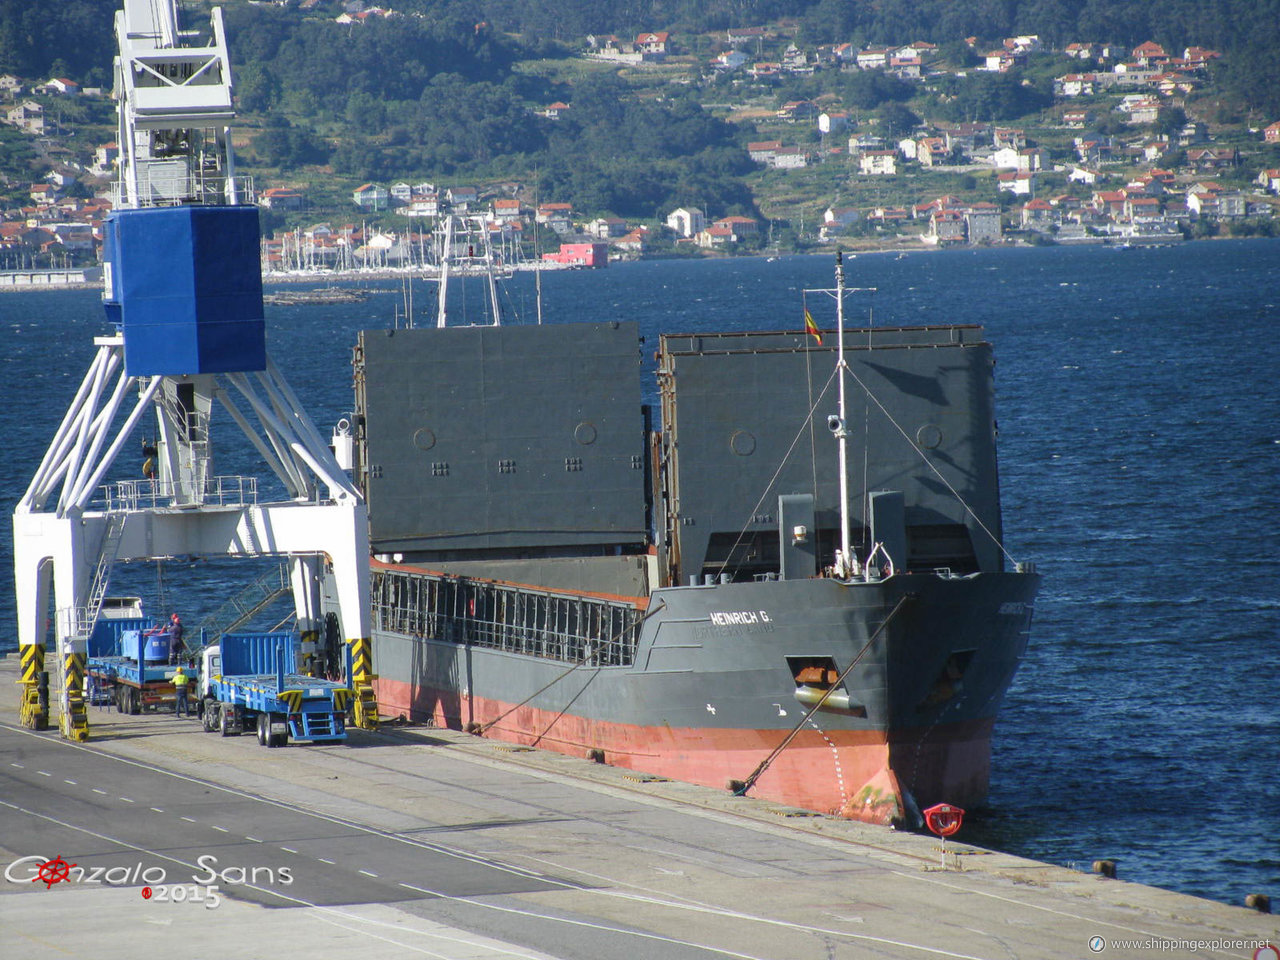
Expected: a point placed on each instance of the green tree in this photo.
(897, 120)
(257, 89)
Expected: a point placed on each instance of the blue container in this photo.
(131, 645)
(185, 286)
(158, 648)
(254, 654)
(117, 637)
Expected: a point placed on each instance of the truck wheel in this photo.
(264, 730)
(209, 715)
(226, 725)
(278, 739)
(135, 702)
(118, 696)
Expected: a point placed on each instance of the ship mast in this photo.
(475, 232)
(846, 563)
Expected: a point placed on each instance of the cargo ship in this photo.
(787, 581)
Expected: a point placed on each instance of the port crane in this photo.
(183, 286)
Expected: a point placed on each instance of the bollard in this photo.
(1106, 868)
(1258, 901)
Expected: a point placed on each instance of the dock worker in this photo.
(180, 708)
(176, 647)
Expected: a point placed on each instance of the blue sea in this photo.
(1138, 395)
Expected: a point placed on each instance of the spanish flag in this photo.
(810, 327)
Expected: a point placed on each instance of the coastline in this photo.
(854, 245)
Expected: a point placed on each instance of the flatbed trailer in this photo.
(125, 666)
(238, 692)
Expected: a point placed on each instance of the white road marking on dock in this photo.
(323, 913)
(44, 774)
(72, 782)
(361, 929)
(364, 828)
(288, 850)
(126, 800)
(219, 829)
(609, 928)
(18, 765)
(103, 792)
(155, 853)
(188, 819)
(252, 839)
(156, 810)
(697, 906)
(369, 874)
(323, 860)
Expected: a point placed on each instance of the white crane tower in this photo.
(183, 286)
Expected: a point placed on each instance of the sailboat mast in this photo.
(446, 253)
(537, 286)
(842, 434)
(487, 236)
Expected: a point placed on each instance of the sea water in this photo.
(1138, 397)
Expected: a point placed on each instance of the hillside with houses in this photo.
(663, 142)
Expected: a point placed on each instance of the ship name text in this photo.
(739, 618)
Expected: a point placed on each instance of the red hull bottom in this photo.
(860, 775)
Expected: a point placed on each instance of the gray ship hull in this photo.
(721, 675)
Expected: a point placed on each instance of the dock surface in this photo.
(416, 842)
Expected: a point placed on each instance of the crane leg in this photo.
(361, 679)
(75, 716)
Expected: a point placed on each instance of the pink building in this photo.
(580, 255)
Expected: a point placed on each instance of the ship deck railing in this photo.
(591, 631)
(128, 496)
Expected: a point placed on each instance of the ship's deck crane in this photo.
(183, 286)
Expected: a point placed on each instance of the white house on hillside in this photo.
(878, 162)
(370, 196)
(686, 222)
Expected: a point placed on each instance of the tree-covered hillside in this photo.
(462, 91)
(73, 37)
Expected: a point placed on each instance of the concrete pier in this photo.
(414, 842)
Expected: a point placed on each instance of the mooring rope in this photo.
(740, 787)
